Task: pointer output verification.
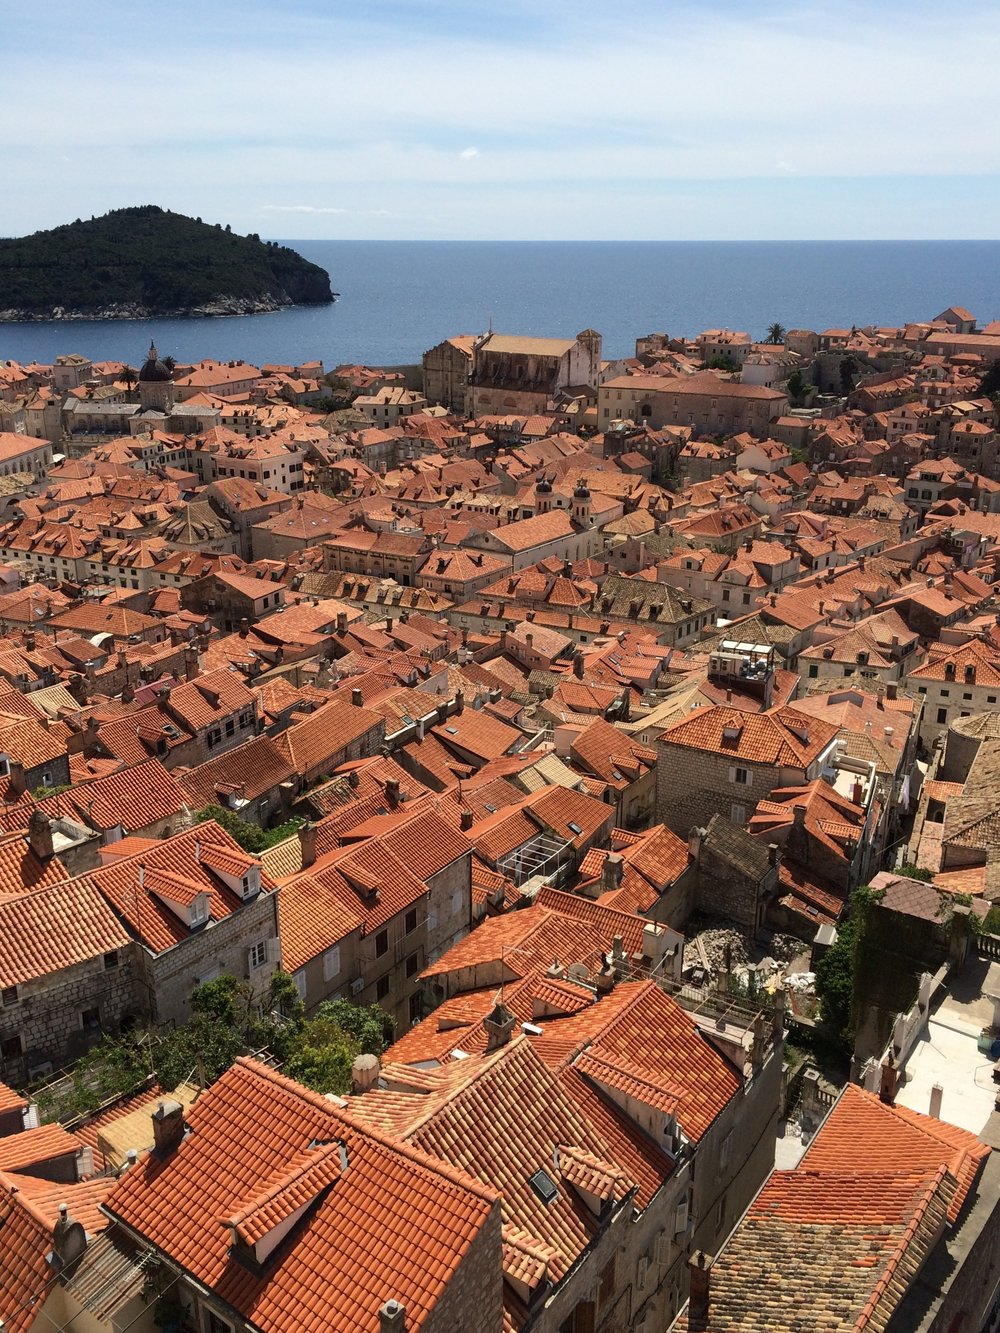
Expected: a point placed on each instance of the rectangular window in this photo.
(813, 671)
(331, 963)
(10, 1048)
(258, 954)
(382, 989)
(110, 960)
(90, 1020)
(230, 727)
(410, 921)
(214, 1324)
(9, 996)
(300, 982)
(412, 965)
(942, 715)
(381, 943)
(416, 1007)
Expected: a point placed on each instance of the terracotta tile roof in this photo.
(21, 870)
(214, 695)
(322, 736)
(171, 870)
(11, 1100)
(781, 737)
(27, 1216)
(31, 1147)
(135, 797)
(504, 1116)
(394, 1221)
(313, 917)
(53, 928)
(252, 769)
(847, 1232)
(894, 1136)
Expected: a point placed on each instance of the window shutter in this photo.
(681, 1216)
(732, 773)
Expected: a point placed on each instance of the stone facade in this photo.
(57, 1018)
(165, 980)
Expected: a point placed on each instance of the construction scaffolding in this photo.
(543, 855)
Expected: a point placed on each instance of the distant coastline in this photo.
(222, 309)
(400, 298)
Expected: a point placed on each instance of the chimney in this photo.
(168, 1127)
(40, 836)
(244, 627)
(799, 815)
(69, 1241)
(937, 1092)
(772, 853)
(364, 1073)
(392, 1317)
(467, 820)
(357, 698)
(16, 782)
(392, 792)
(700, 1296)
(90, 742)
(341, 622)
(307, 843)
(190, 663)
(578, 665)
(499, 1024)
(459, 702)
(611, 872)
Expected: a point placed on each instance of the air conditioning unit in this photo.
(39, 1071)
(357, 985)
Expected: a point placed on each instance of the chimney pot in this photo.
(392, 1317)
(364, 1073)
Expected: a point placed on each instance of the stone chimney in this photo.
(16, 782)
(467, 819)
(773, 854)
(168, 1127)
(499, 1024)
(244, 627)
(578, 665)
(357, 698)
(307, 843)
(611, 872)
(459, 702)
(90, 737)
(700, 1296)
(341, 622)
(392, 1317)
(364, 1073)
(40, 835)
(392, 792)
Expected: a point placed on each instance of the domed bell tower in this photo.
(156, 387)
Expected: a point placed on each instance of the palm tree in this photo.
(775, 334)
(128, 377)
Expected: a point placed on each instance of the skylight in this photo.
(543, 1185)
(575, 827)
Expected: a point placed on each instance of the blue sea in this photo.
(397, 298)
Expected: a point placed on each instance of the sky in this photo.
(508, 119)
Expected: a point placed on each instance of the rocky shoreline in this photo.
(220, 308)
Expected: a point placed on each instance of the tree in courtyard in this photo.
(796, 386)
(129, 377)
(775, 334)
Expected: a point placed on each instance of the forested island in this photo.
(145, 262)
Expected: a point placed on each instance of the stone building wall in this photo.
(48, 1016)
(165, 981)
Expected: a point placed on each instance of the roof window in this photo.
(543, 1185)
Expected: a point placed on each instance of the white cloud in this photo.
(299, 208)
(469, 152)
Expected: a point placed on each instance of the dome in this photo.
(154, 369)
(581, 492)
